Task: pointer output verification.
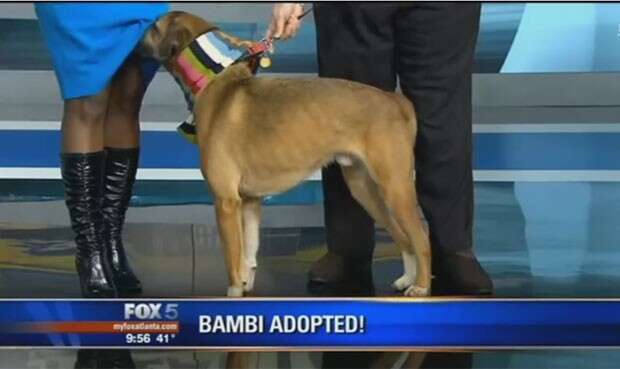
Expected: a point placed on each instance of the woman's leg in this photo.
(82, 123)
(122, 136)
(82, 166)
(122, 124)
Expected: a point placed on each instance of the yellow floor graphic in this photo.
(15, 255)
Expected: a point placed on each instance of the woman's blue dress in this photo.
(89, 42)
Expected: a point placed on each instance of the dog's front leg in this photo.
(228, 212)
(251, 226)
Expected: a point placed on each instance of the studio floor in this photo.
(537, 239)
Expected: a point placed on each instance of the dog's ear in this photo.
(169, 35)
(175, 36)
(234, 40)
(173, 42)
(252, 63)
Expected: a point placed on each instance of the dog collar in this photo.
(201, 61)
(206, 57)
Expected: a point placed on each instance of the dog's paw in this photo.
(417, 291)
(403, 282)
(248, 280)
(234, 291)
(407, 284)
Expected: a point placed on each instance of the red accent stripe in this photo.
(103, 327)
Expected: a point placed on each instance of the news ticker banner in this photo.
(378, 323)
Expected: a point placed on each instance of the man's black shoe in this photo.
(332, 276)
(459, 274)
(328, 269)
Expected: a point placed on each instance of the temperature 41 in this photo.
(165, 337)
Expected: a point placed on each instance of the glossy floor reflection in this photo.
(536, 239)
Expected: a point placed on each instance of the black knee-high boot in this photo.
(83, 178)
(120, 175)
(104, 359)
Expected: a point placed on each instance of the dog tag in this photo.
(265, 62)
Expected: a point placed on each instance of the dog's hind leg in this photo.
(251, 234)
(229, 221)
(399, 193)
(391, 167)
(365, 191)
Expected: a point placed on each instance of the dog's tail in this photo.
(409, 115)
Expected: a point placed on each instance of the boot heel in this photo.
(90, 288)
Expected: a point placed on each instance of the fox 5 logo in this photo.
(150, 311)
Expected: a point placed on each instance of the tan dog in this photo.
(261, 136)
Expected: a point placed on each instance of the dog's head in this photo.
(196, 52)
(174, 31)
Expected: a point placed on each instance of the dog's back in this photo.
(281, 130)
(260, 108)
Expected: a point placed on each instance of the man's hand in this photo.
(284, 20)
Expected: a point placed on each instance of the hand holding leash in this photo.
(286, 20)
(285, 23)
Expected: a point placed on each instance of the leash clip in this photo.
(260, 47)
(259, 50)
